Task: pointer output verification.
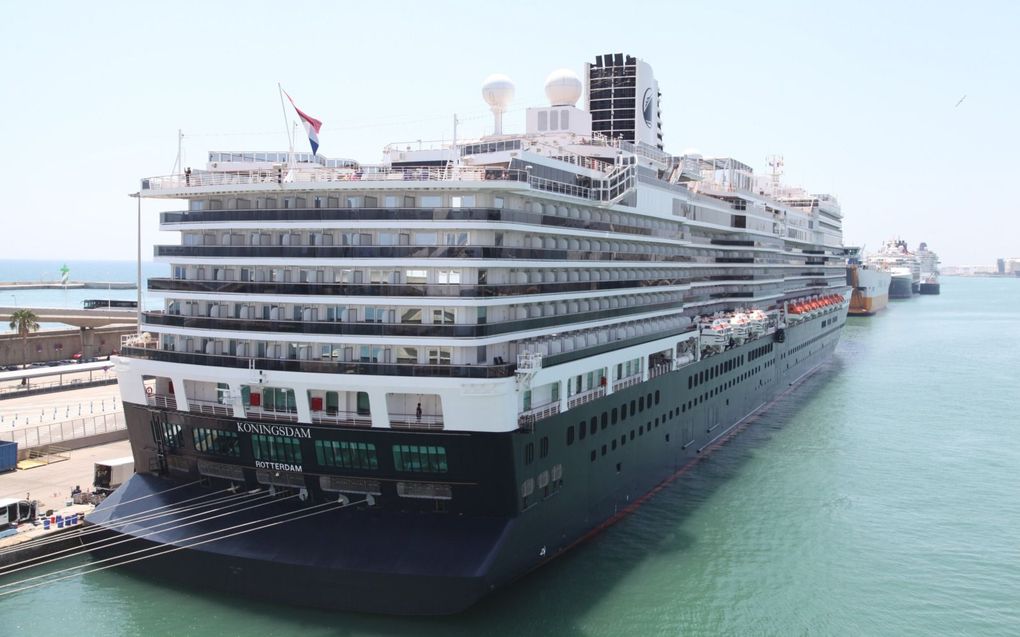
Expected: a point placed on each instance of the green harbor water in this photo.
(879, 497)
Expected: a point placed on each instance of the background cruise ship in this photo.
(929, 263)
(429, 376)
(902, 265)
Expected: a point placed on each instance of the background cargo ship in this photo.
(869, 286)
(405, 385)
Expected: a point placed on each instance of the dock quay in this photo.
(51, 485)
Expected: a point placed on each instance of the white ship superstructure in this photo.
(450, 266)
(505, 286)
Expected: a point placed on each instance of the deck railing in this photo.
(326, 175)
(528, 418)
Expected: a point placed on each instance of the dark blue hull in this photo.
(509, 511)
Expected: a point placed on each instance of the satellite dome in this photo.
(498, 91)
(563, 88)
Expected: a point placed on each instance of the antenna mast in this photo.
(286, 127)
(179, 162)
(775, 163)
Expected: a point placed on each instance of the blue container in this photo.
(46, 524)
(8, 455)
(74, 519)
(60, 521)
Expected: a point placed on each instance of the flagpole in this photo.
(286, 126)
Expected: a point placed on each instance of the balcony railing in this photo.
(626, 382)
(396, 329)
(586, 397)
(421, 290)
(414, 421)
(210, 407)
(485, 215)
(420, 252)
(270, 414)
(527, 419)
(164, 401)
(323, 366)
(658, 370)
(345, 418)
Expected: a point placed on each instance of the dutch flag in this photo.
(311, 124)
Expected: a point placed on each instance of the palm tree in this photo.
(24, 322)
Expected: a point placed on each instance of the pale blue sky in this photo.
(858, 96)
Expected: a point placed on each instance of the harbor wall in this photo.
(52, 345)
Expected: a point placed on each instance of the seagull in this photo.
(961, 100)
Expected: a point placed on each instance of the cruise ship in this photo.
(869, 286)
(398, 387)
(902, 265)
(929, 263)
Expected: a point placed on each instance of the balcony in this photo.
(421, 290)
(339, 328)
(414, 252)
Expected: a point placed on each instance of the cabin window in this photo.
(276, 448)
(217, 442)
(419, 458)
(170, 434)
(346, 455)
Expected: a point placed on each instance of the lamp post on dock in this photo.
(138, 264)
